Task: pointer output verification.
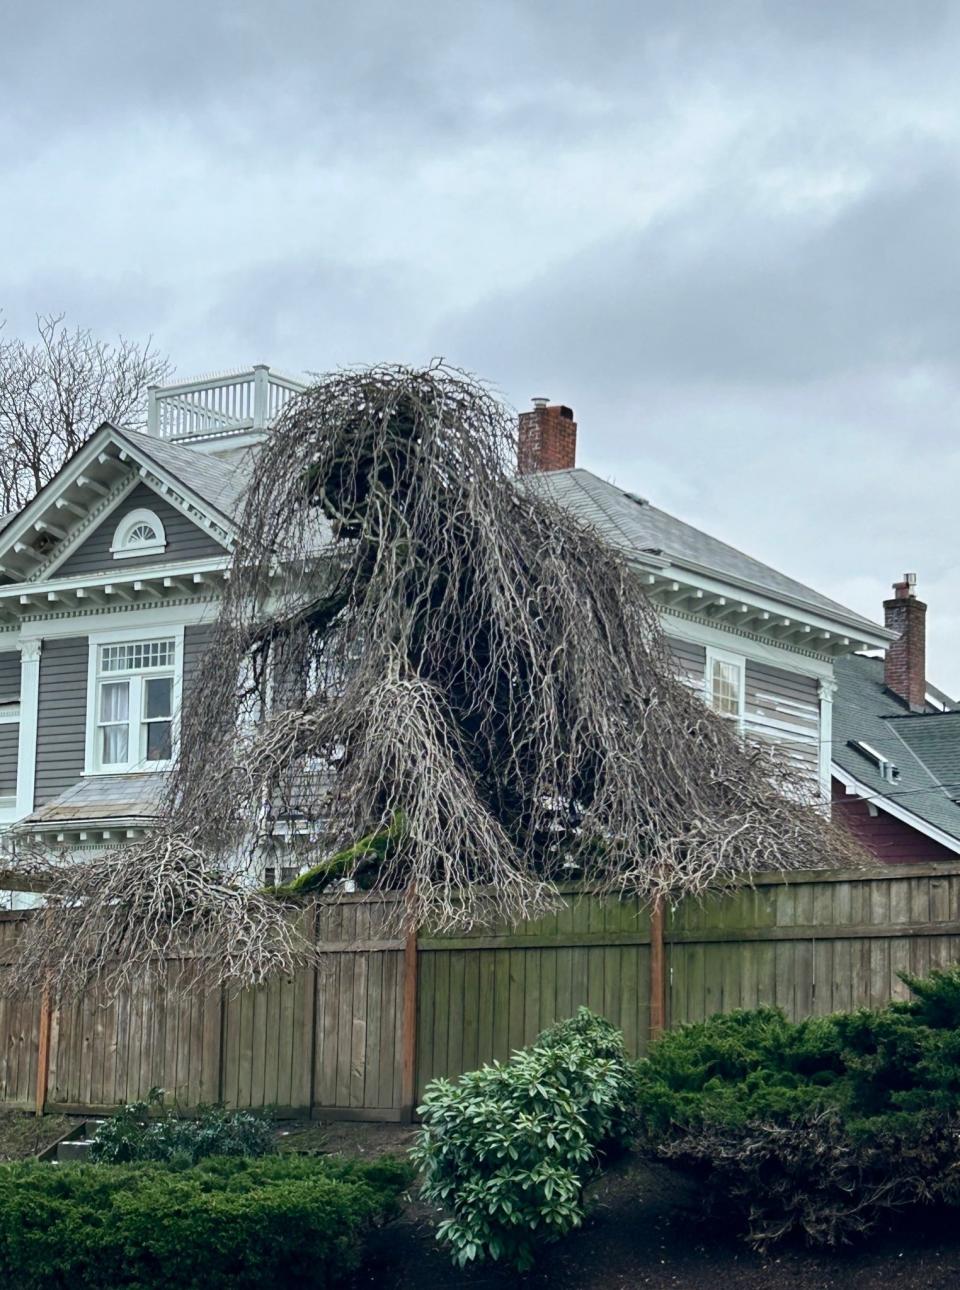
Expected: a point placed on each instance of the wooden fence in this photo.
(359, 1037)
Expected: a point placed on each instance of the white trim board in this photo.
(854, 788)
(780, 656)
(858, 630)
(130, 617)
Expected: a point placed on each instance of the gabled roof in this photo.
(207, 490)
(634, 526)
(222, 484)
(924, 747)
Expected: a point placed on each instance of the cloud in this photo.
(723, 232)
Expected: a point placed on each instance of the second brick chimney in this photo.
(547, 438)
(905, 669)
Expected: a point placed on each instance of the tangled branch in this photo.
(409, 635)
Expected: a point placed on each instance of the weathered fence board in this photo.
(334, 1042)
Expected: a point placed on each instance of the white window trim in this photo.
(118, 637)
(736, 660)
(121, 548)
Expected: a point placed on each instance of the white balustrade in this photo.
(222, 404)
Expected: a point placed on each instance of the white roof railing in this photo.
(225, 403)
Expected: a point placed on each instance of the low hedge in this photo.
(816, 1127)
(225, 1223)
(508, 1149)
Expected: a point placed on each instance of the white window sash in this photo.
(737, 662)
(137, 720)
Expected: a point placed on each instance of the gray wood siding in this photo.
(785, 707)
(185, 541)
(61, 716)
(195, 642)
(691, 660)
(9, 675)
(9, 740)
(780, 705)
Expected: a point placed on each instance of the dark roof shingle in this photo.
(924, 747)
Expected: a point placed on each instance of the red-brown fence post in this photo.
(658, 999)
(43, 1050)
(43, 1037)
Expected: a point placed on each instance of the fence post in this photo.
(409, 1068)
(657, 972)
(43, 1050)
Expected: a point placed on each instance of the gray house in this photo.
(109, 580)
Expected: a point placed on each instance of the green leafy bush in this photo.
(817, 1126)
(149, 1131)
(509, 1148)
(225, 1223)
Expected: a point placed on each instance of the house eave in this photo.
(856, 788)
(674, 584)
(120, 587)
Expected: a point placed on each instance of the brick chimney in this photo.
(548, 438)
(905, 668)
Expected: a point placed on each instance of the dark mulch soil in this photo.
(23, 1135)
(646, 1227)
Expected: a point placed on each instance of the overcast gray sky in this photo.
(725, 231)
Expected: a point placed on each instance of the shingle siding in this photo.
(61, 716)
(185, 541)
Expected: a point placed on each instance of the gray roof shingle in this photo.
(221, 484)
(634, 526)
(925, 747)
(100, 799)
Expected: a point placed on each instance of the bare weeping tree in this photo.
(430, 679)
(56, 390)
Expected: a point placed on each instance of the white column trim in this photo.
(826, 690)
(30, 648)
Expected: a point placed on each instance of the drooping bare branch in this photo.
(414, 647)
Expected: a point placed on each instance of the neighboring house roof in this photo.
(924, 747)
(96, 799)
(634, 526)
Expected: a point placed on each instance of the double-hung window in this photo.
(725, 685)
(134, 704)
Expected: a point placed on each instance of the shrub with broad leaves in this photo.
(507, 1150)
(151, 1131)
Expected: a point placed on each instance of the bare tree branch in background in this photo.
(56, 390)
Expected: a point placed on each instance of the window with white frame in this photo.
(140, 532)
(725, 684)
(134, 704)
